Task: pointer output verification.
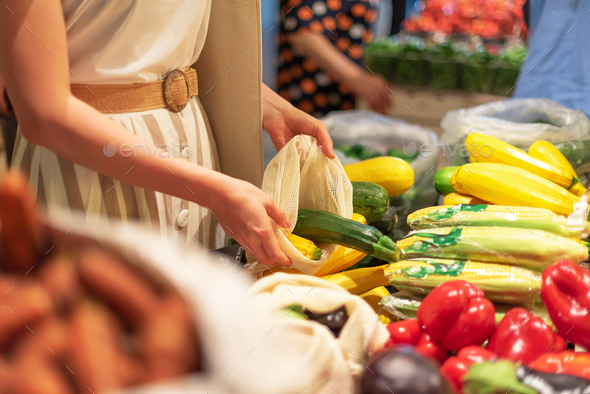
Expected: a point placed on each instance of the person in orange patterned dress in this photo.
(321, 52)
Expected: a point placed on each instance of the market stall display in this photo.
(450, 64)
(472, 273)
(488, 19)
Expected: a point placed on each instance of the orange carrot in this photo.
(122, 288)
(22, 234)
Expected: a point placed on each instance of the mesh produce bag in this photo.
(362, 334)
(301, 176)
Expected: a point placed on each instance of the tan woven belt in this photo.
(173, 93)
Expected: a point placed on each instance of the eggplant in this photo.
(553, 383)
(334, 320)
(403, 371)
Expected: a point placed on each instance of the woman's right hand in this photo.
(245, 213)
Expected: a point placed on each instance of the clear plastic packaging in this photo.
(521, 122)
(517, 246)
(497, 216)
(499, 282)
(404, 305)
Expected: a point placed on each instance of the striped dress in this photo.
(59, 183)
(126, 42)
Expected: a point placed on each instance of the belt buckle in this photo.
(172, 106)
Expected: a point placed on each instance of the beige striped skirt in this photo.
(59, 183)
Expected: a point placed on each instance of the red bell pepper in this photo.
(455, 368)
(430, 348)
(522, 337)
(567, 362)
(566, 294)
(457, 315)
(405, 332)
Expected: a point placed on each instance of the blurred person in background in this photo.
(321, 52)
(557, 63)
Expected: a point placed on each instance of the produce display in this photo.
(455, 63)
(81, 318)
(487, 287)
(488, 19)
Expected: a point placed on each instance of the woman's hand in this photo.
(372, 88)
(245, 213)
(282, 122)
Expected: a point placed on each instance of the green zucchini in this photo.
(442, 180)
(370, 200)
(329, 228)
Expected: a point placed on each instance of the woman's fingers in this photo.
(277, 214)
(274, 252)
(320, 131)
(260, 253)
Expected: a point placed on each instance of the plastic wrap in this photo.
(521, 122)
(404, 305)
(517, 246)
(495, 216)
(499, 282)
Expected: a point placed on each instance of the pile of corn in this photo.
(500, 249)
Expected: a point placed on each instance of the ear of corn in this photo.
(456, 198)
(306, 247)
(508, 185)
(490, 216)
(500, 282)
(406, 304)
(547, 152)
(373, 298)
(359, 281)
(487, 149)
(526, 247)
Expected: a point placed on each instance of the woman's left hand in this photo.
(282, 122)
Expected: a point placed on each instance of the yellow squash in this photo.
(360, 280)
(341, 259)
(393, 174)
(547, 152)
(508, 185)
(486, 149)
(373, 298)
(456, 198)
(306, 247)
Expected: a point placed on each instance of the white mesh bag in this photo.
(362, 335)
(301, 176)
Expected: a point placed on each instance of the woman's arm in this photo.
(36, 74)
(366, 85)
